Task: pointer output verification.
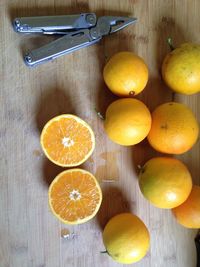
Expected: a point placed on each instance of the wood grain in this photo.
(30, 236)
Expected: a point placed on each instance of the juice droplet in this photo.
(91, 160)
(37, 153)
(65, 234)
(109, 172)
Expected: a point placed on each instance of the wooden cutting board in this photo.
(30, 235)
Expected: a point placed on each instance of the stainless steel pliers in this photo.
(79, 31)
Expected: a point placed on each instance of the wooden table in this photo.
(30, 235)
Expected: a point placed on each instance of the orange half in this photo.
(75, 196)
(67, 140)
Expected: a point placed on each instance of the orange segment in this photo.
(75, 196)
(67, 140)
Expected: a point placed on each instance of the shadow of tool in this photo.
(23, 11)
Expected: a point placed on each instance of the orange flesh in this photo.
(83, 203)
(66, 141)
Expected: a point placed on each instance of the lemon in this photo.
(181, 69)
(126, 238)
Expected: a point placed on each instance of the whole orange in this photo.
(126, 238)
(188, 213)
(174, 128)
(125, 74)
(127, 122)
(165, 182)
(181, 69)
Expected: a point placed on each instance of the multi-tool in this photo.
(79, 31)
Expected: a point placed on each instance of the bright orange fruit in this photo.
(174, 128)
(125, 74)
(75, 196)
(165, 182)
(188, 213)
(67, 140)
(127, 122)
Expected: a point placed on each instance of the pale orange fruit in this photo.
(165, 182)
(181, 69)
(174, 128)
(67, 140)
(188, 213)
(127, 121)
(75, 196)
(126, 238)
(125, 74)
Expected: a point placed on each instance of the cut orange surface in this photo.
(75, 196)
(67, 140)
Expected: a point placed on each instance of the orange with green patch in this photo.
(126, 238)
(165, 182)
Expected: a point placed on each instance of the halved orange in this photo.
(75, 196)
(67, 140)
